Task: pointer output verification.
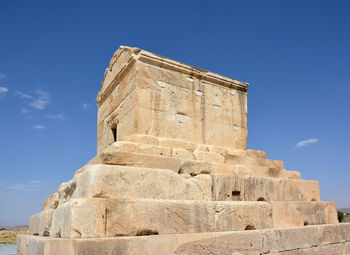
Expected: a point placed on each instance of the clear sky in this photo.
(295, 54)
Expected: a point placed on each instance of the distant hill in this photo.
(16, 228)
(345, 210)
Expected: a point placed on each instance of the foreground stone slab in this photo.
(291, 214)
(89, 218)
(40, 223)
(298, 240)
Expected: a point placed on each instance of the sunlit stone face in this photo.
(143, 93)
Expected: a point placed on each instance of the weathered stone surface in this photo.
(40, 223)
(228, 187)
(140, 160)
(272, 189)
(182, 154)
(143, 139)
(171, 91)
(275, 240)
(88, 218)
(237, 187)
(112, 181)
(209, 156)
(194, 167)
(291, 214)
(224, 244)
(176, 143)
(345, 231)
(38, 245)
(257, 154)
(80, 218)
(299, 240)
(51, 202)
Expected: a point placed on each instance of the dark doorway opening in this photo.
(114, 131)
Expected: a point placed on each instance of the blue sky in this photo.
(295, 54)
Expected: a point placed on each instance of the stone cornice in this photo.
(137, 54)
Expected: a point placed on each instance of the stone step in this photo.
(311, 240)
(298, 213)
(230, 187)
(239, 164)
(255, 170)
(97, 217)
(134, 142)
(125, 182)
(207, 153)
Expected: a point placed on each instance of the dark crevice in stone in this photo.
(146, 232)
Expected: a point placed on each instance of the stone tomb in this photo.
(172, 175)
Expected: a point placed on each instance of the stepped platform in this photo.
(172, 175)
(330, 239)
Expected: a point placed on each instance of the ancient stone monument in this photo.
(172, 175)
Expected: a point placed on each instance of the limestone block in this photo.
(227, 187)
(347, 248)
(80, 218)
(242, 216)
(194, 167)
(286, 241)
(292, 175)
(172, 125)
(142, 139)
(345, 231)
(256, 154)
(245, 188)
(112, 181)
(40, 223)
(182, 154)
(51, 202)
(276, 240)
(145, 217)
(298, 213)
(170, 98)
(141, 160)
(232, 152)
(66, 190)
(330, 234)
(272, 189)
(89, 218)
(218, 243)
(229, 243)
(236, 159)
(334, 249)
(208, 156)
(116, 66)
(38, 245)
(155, 150)
(124, 146)
(175, 143)
(218, 149)
(250, 170)
(137, 217)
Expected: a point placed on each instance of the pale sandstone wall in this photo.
(171, 104)
(117, 111)
(143, 93)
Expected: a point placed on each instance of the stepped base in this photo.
(98, 217)
(321, 239)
